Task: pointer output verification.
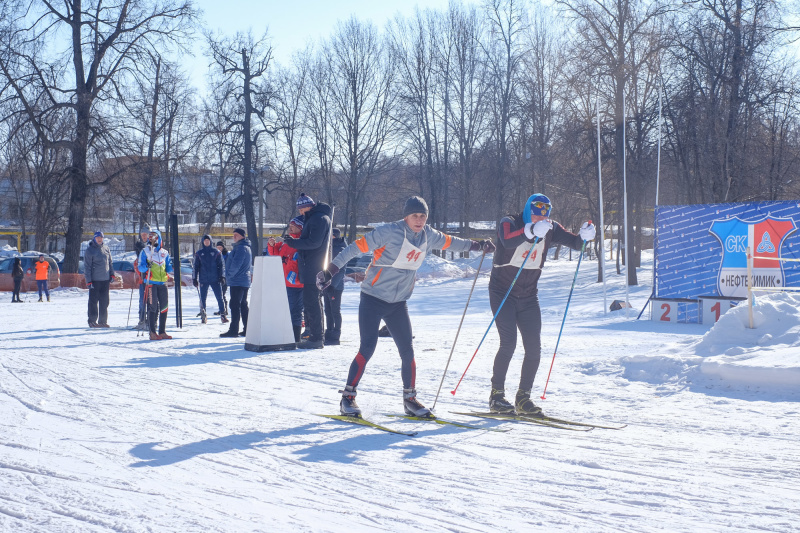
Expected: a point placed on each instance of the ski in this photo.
(528, 419)
(583, 424)
(362, 422)
(446, 422)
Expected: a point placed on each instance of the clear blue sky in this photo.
(293, 23)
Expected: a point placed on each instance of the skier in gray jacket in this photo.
(399, 249)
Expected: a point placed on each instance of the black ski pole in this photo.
(452, 348)
(130, 304)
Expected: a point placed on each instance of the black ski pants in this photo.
(217, 292)
(98, 302)
(158, 306)
(312, 309)
(371, 311)
(333, 313)
(17, 285)
(523, 314)
(239, 308)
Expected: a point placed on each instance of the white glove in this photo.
(588, 231)
(541, 228)
(529, 231)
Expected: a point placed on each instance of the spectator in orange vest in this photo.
(42, 273)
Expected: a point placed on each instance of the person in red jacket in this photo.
(291, 274)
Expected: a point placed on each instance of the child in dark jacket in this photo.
(291, 274)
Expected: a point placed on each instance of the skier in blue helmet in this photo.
(516, 233)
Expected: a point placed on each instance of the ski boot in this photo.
(412, 405)
(525, 405)
(498, 402)
(40, 299)
(223, 318)
(48, 298)
(203, 317)
(164, 336)
(348, 405)
(154, 336)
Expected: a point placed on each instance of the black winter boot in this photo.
(525, 405)
(498, 402)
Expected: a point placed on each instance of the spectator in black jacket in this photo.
(312, 246)
(209, 271)
(17, 274)
(333, 294)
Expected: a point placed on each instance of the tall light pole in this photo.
(264, 170)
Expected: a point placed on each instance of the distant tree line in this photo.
(474, 107)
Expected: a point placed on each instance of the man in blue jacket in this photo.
(209, 271)
(237, 267)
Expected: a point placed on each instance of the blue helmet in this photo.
(543, 207)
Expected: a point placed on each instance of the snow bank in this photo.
(765, 356)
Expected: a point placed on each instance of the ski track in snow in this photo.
(102, 430)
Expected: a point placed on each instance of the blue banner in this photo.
(700, 249)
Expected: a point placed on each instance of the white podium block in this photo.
(664, 310)
(269, 325)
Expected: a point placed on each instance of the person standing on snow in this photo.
(291, 274)
(155, 264)
(399, 249)
(516, 234)
(42, 268)
(139, 245)
(224, 283)
(313, 247)
(332, 296)
(17, 273)
(237, 267)
(98, 269)
(209, 271)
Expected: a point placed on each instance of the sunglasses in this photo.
(542, 207)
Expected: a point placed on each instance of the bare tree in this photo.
(362, 85)
(244, 63)
(95, 44)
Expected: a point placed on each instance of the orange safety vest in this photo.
(42, 270)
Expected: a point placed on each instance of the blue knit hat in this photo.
(305, 201)
(98, 233)
(297, 221)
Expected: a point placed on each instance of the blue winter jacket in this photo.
(208, 265)
(237, 264)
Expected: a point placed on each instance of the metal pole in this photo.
(625, 209)
(602, 220)
(452, 348)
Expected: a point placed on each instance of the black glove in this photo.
(289, 240)
(486, 246)
(194, 282)
(324, 278)
(89, 285)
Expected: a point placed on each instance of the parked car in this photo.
(357, 267)
(125, 270)
(29, 281)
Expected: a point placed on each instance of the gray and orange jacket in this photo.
(382, 281)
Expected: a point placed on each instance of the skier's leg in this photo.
(370, 313)
(218, 294)
(529, 321)
(163, 305)
(506, 325)
(399, 324)
(203, 295)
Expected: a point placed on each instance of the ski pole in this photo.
(574, 278)
(652, 293)
(130, 304)
(459, 329)
(535, 241)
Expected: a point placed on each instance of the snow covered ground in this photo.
(101, 430)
